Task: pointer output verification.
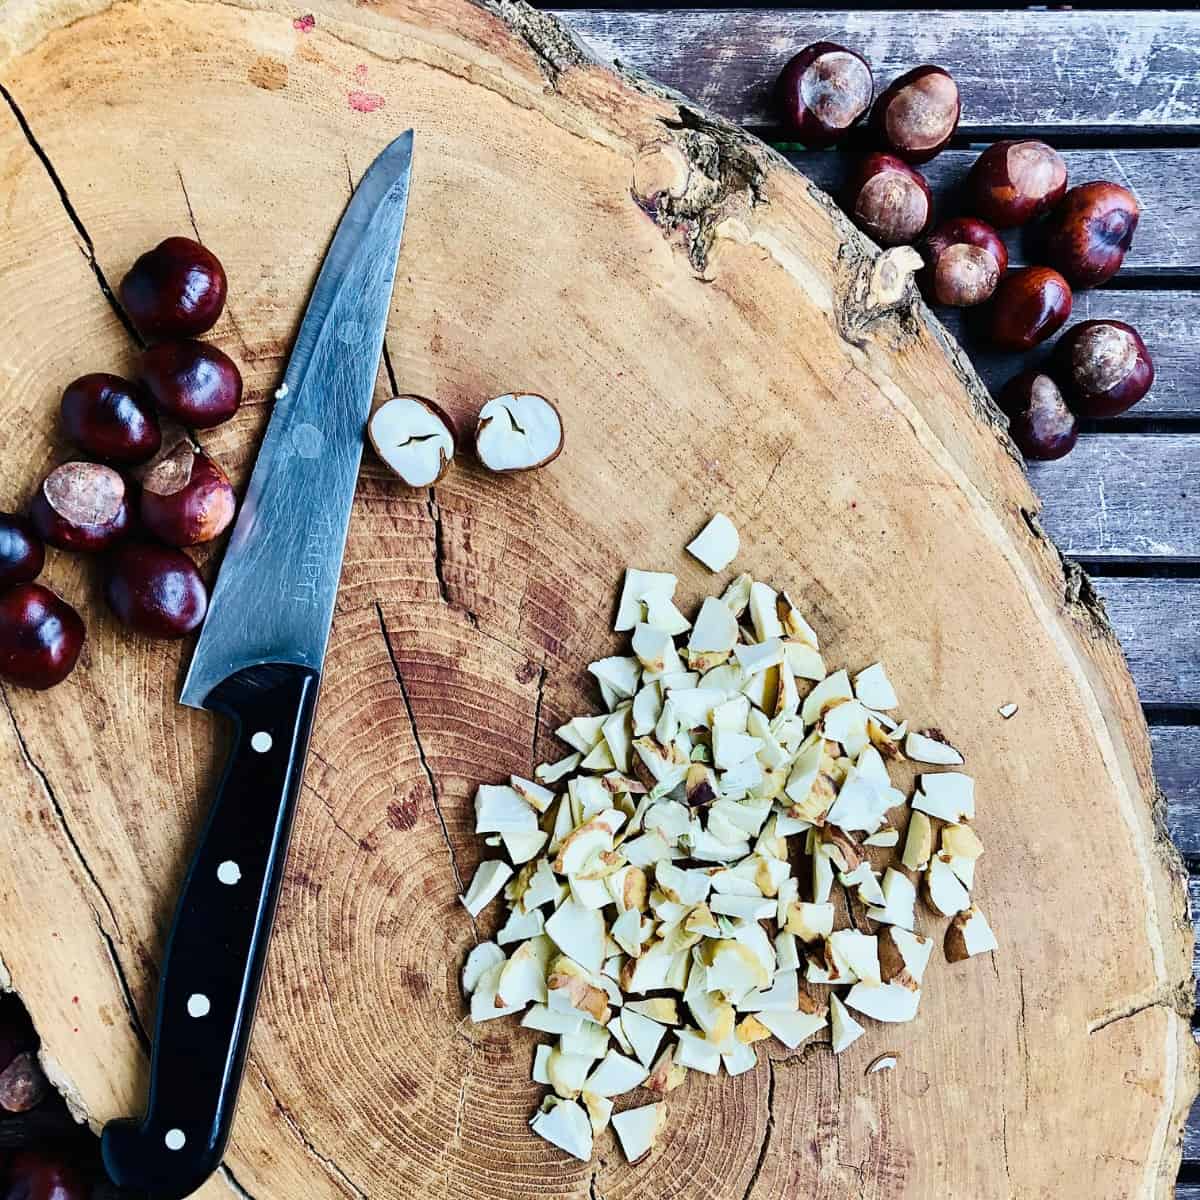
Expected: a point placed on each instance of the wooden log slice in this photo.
(716, 337)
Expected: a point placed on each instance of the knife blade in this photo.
(258, 661)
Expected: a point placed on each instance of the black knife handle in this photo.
(218, 943)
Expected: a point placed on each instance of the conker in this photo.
(22, 555)
(889, 200)
(917, 114)
(36, 1176)
(186, 497)
(1105, 367)
(81, 506)
(823, 92)
(176, 290)
(1014, 182)
(964, 262)
(40, 636)
(1039, 420)
(1089, 232)
(193, 382)
(110, 418)
(1028, 307)
(155, 590)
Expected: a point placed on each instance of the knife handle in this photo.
(218, 943)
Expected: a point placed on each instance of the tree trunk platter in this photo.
(716, 337)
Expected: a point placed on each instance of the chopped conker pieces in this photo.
(176, 290)
(1039, 420)
(1105, 367)
(81, 506)
(1029, 306)
(916, 116)
(40, 636)
(21, 552)
(890, 201)
(110, 418)
(1090, 231)
(964, 263)
(193, 382)
(155, 590)
(1014, 182)
(823, 92)
(186, 498)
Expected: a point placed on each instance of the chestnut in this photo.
(917, 114)
(22, 554)
(964, 262)
(186, 497)
(822, 92)
(1014, 182)
(111, 419)
(81, 506)
(1029, 306)
(889, 200)
(193, 382)
(40, 636)
(1105, 367)
(1089, 232)
(33, 1175)
(176, 290)
(1039, 420)
(155, 590)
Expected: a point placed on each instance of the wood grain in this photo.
(1168, 233)
(737, 353)
(1026, 71)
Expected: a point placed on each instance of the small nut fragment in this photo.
(717, 544)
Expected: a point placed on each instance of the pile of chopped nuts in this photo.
(654, 901)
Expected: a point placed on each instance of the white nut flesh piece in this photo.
(518, 432)
(717, 544)
(923, 748)
(413, 438)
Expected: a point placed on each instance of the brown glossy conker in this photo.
(40, 636)
(34, 1175)
(155, 590)
(823, 92)
(917, 114)
(1090, 231)
(176, 290)
(1105, 367)
(964, 262)
(193, 382)
(111, 419)
(1040, 422)
(890, 201)
(1014, 182)
(22, 554)
(1029, 306)
(81, 506)
(186, 498)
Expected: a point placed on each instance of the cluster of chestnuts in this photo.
(1099, 368)
(132, 499)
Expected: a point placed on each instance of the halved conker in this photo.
(1040, 422)
(1014, 182)
(176, 290)
(193, 382)
(1105, 367)
(823, 92)
(917, 114)
(81, 506)
(1090, 231)
(22, 554)
(890, 201)
(964, 262)
(110, 418)
(186, 498)
(40, 636)
(1028, 307)
(155, 590)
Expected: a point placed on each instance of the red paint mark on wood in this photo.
(305, 24)
(360, 73)
(364, 102)
(403, 815)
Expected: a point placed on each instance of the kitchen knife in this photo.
(258, 661)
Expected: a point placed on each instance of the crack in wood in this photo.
(439, 555)
(1124, 1014)
(89, 247)
(765, 1145)
(135, 1018)
(232, 1182)
(63, 824)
